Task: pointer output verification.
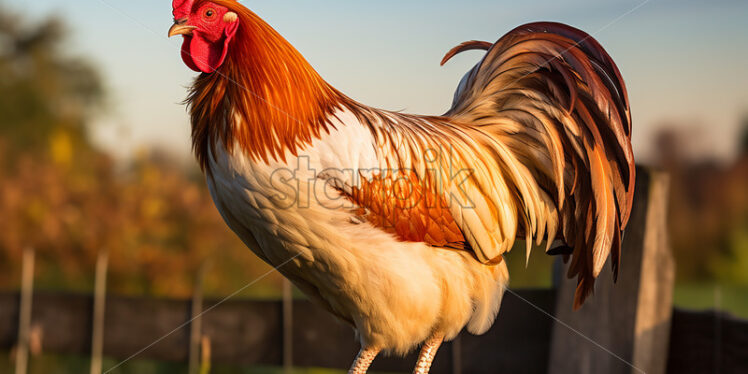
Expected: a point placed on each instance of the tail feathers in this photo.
(552, 97)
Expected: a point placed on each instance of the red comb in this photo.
(182, 8)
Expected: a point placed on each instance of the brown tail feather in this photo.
(466, 46)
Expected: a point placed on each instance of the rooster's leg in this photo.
(363, 360)
(428, 352)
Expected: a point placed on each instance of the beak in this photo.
(180, 27)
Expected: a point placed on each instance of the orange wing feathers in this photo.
(409, 208)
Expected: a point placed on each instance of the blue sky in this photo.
(683, 61)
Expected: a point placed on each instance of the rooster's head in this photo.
(207, 28)
(252, 74)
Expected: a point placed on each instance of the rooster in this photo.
(397, 223)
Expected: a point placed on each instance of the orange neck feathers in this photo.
(266, 98)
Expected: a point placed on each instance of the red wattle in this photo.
(187, 54)
(203, 56)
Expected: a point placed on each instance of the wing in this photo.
(437, 182)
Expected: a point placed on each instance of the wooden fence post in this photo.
(24, 318)
(196, 326)
(287, 326)
(97, 335)
(205, 355)
(457, 355)
(623, 327)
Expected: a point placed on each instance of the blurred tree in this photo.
(47, 96)
(732, 265)
(708, 209)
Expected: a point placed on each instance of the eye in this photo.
(210, 13)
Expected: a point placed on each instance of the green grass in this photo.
(729, 298)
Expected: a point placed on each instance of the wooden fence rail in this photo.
(708, 342)
(246, 332)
